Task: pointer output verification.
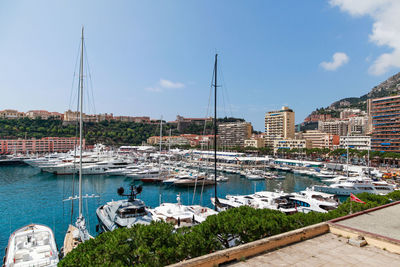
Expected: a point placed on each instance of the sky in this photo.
(155, 58)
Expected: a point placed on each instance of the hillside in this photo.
(389, 87)
(107, 132)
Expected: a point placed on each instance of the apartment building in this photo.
(356, 142)
(291, 144)
(279, 124)
(385, 116)
(335, 127)
(319, 139)
(347, 113)
(132, 119)
(71, 116)
(256, 142)
(357, 124)
(11, 114)
(43, 114)
(234, 133)
(183, 139)
(44, 145)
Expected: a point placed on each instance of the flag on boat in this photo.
(355, 199)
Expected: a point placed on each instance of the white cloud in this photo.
(385, 29)
(338, 59)
(165, 84)
(171, 85)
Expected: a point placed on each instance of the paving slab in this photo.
(325, 250)
(384, 222)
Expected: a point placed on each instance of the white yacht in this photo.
(309, 200)
(181, 215)
(31, 245)
(260, 200)
(356, 185)
(102, 166)
(123, 213)
(201, 213)
(326, 174)
(255, 176)
(150, 173)
(337, 179)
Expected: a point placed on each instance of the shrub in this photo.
(160, 244)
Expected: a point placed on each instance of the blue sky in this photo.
(156, 57)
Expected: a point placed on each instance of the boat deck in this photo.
(70, 241)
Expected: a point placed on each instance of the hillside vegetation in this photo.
(106, 132)
(109, 133)
(389, 87)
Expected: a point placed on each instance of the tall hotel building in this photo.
(279, 125)
(234, 133)
(385, 116)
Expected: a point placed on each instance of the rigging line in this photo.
(89, 75)
(208, 111)
(222, 96)
(75, 147)
(87, 212)
(73, 78)
(194, 190)
(226, 91)
(201, 194)
(87, 104)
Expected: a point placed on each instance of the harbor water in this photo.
(28, 195)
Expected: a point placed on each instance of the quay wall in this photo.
(256, 247)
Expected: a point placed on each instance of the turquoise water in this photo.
(28, 195)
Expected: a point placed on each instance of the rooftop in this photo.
(326, 250)
(373, 233)
(383, 223)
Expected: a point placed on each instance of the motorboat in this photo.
(181, 215)
(200, 181)
(260, 200)
(356, 185)
(31, 245)
(149, 173)
(123, 213)
(309, 200)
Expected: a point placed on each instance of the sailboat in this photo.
(78, 233)
(215, 200)
(188, 215)
(157, 175)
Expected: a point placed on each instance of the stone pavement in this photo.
(384, 222)
(325, 250)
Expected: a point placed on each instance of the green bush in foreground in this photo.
(158, 244)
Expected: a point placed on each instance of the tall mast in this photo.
(160, 134)
(169, 140)
(80, 128)
(347, 154)
(215, 129)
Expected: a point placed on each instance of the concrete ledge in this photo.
(378, 241)
(374, 239)
(363, 212)
(257, 247)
